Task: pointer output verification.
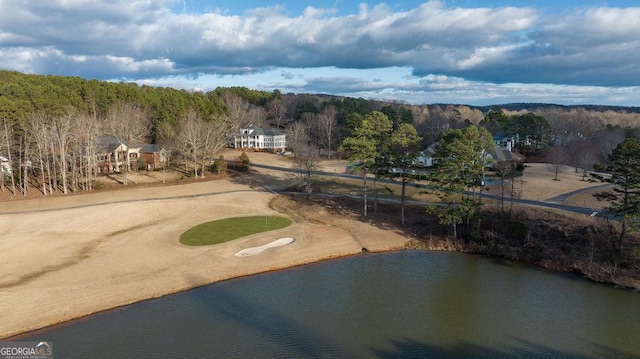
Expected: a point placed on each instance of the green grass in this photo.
(231, 228)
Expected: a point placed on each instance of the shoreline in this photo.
(20, 333)
(122, 247)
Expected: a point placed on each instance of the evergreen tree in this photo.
(365, 144)
(460, 162)
(404, 149)
(625, 198)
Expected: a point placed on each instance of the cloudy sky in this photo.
(438, 51)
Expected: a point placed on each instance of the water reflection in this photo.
(408, 304)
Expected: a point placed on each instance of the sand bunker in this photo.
(257, 250)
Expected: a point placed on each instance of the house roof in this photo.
(430, 150)
(150, 148)
(259, 131)
(503, 154)
(499, 136)
(110, 143)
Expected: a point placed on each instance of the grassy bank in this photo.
(549, 239)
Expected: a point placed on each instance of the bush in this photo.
(141, 165)
(242, 162)
(219, 166)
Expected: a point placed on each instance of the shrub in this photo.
(219, 166)
(242, 162)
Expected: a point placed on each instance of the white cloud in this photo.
(144, 40)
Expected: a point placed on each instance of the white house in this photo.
(425, 158)
(254, 137)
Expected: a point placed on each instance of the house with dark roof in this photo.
(504, 152)
(258, 138)
(116, 155)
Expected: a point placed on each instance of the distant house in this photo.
(504, 149)
(258, 138)
(425, 158)
(503, 152)
(503, 140)
(115, 155)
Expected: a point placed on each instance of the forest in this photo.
(50, 125)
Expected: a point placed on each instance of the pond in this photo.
(403, 304)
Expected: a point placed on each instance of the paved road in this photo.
(551, 203)
(561, 198)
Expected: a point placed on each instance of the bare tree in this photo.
(128, 121)
(304, 165)
(238, 111)
(39, 128)
(214, 137)
(166, 138)
(608, 139)
(87, 133)
(584, 154)
(191, 140)
(298, 136)
(557, 158)
(62, 137)
(505, 170)
(24, 162)
(257, 116)
(328, 130)
(7, 136)
(277, 111)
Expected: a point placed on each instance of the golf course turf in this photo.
(224, 230)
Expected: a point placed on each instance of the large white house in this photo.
(254, 137)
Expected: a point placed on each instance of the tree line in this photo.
(51, 126)
(48, 120)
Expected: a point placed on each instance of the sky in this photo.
(416, 52)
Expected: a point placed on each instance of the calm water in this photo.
(408, 304)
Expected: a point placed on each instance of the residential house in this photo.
(504, 149)
(502, 152)
(258, 138)
(425, 158)
(502, 140)
(115, 155)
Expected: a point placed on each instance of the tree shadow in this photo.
(259, 180)
(284, 333)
